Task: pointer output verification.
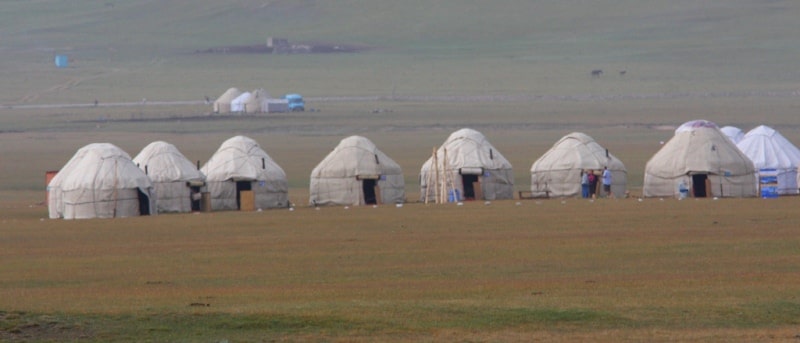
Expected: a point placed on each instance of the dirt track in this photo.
(458, 98)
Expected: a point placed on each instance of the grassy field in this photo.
(519, 270)
(612, 270)
(557, 270)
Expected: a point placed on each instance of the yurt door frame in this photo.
(471, 183)
(242, 186)
(370, 191)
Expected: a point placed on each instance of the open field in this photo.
(616, 270)
(609, 270)
(520, 270)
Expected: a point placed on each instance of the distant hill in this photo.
(748, 39)
(622, 27)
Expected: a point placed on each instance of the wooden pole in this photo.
(445, 180)
(435, 185)
(114, 192)
(429, 176)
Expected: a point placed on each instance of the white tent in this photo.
(101, 181)
(734, 133)
(357, 173)
(174, 177)
(239, 104)
(768, 149)
(241, 165)
(558, 172)
(223, 103)
(473, 168)
(701, 158)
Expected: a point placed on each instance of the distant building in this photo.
(279, 45)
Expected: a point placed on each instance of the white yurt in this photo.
(734, 133)
(223, 103)
(702, 160)
(356, 173)
(100, 181)
(240, 167)
(239, 105)
(772, 153)
(177, 181)
(468, 168)
(558, 172)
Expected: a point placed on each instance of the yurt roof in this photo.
(242, 98)
(163, 162)
(241, 158)
(695, 124)
(100, 166)
(229, 95)
(470, 148)
(577, 151)
(767, 148)
(356, 155)
(734, 133)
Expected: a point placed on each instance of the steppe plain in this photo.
(519, 270)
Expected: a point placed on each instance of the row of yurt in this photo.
(251, 102)
(101, 180)
(465, 167)
(700, 160)
(257, 101)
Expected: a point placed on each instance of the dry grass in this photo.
(555, 270)
(551, 270)
(607, 270)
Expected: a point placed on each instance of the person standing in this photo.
(607, 182)
(584, 184)
(592, 184)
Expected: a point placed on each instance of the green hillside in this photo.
(126, 50)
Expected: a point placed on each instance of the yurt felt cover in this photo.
(468, 149)
(102, 181)
(699, 147)
(337, 179)
(170, 172)
(558, 172)
(238, 159)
